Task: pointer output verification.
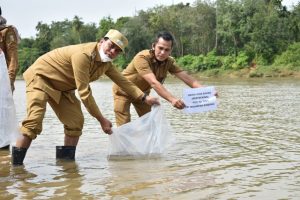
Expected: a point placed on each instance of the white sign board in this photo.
(199, 99)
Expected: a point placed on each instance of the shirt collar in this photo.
(153, 60)
(97, 56)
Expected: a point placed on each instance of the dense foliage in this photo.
(223, 34)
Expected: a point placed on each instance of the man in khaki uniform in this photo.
(9, 39)
(147, 70)
(54, 77)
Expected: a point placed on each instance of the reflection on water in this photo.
(249, 148)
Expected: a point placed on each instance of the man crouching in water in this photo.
(53, 79)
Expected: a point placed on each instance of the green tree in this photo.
(138, 35)
(229, 17)
(27, 56)
(105, 24)
(89, 33)
(270, 31)
(63, 34)
(77, 26)
(43, 38)
(294, 24)
(203, 34)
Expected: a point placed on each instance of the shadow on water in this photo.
(153, 178)
(22, 182)
(14, 181)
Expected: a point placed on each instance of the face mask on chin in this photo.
(104, 57)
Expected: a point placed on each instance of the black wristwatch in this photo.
(144, 97)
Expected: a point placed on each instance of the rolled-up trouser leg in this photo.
(36, 101)
(32, 126)
(122, 110)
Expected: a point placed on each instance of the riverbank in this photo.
(252, 72)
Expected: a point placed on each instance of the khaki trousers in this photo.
(122, 109)
(68, 111)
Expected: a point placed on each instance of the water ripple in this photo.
(249, 148)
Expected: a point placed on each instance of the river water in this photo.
(249, 148)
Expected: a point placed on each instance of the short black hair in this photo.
(166, 36)
(0, 11)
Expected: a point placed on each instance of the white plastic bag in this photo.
(8, 118)
(149, 135)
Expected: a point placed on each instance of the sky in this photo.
(25, 14)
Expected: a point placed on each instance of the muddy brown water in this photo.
(249, 148)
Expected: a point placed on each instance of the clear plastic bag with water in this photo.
(8, 118)
(147, 136)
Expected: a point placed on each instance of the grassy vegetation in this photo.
(275, 71)
(244, 64)
(250, 72)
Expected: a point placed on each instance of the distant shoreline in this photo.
(249, 73)
(245, 73)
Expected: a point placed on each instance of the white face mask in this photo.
(103, 56)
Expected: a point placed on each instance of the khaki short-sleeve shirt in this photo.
(74, 67)
(9, 45)
(143, 63)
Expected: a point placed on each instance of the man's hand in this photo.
(178, 103)
(106, 126)
(216, 94)
(151, 100)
